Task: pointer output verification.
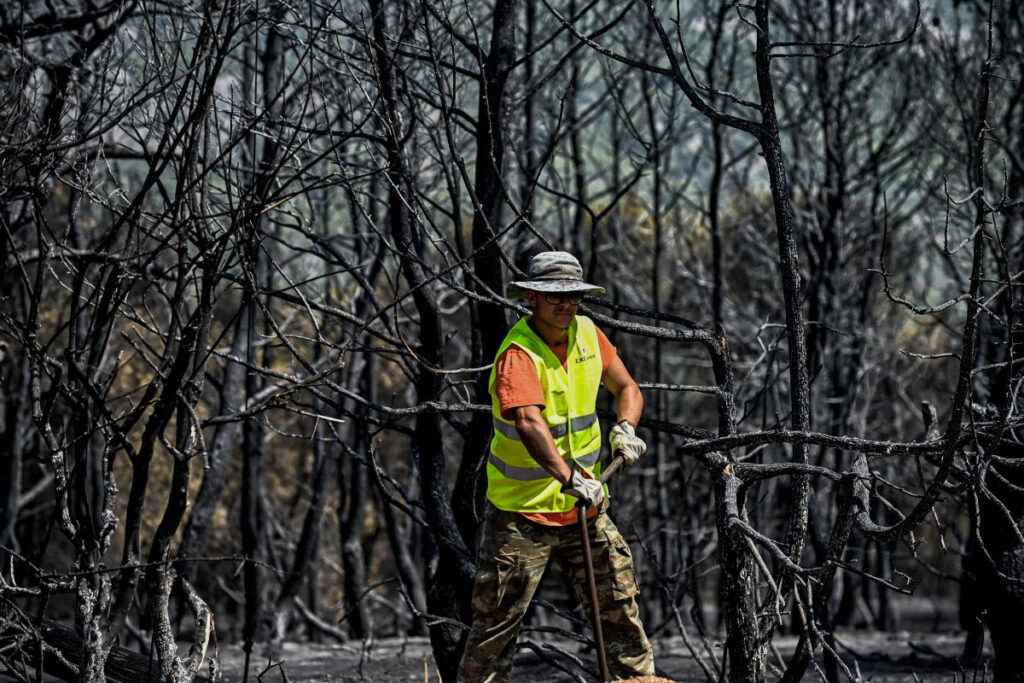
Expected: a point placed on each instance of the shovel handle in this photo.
(606, 474)
(595, 612)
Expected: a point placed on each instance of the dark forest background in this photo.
(253, 261)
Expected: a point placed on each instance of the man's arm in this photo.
(629, 402)
(536, 436)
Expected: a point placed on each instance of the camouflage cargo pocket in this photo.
(623, 578)
(494, 578)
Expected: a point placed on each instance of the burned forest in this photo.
(254, 259)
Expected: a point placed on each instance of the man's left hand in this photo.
(626, 443)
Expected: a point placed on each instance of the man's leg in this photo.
(629, 652)
(513, 556)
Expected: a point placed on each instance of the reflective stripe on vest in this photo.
(532, 473)
(514, 479)
(576, 424)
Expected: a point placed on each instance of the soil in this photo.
(872, 656)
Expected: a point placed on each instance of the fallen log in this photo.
(122, 666)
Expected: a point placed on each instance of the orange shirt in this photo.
(517, 384)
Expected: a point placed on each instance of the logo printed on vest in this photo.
(583, 355)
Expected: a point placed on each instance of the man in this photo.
(547, 439)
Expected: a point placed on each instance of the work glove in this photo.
(626, 443)
(590, 491)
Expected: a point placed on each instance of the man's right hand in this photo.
(590, 491)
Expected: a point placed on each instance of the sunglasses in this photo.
(571, 299)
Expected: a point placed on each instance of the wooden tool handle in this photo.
(616, 462)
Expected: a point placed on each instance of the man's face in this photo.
(556, 309)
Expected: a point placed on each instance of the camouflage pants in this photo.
(513, 556)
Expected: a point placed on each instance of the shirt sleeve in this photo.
(516, 382)
(608, 352)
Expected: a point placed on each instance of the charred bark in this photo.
(186, 447)
(490, 322)
(353, 483)
(450, 575)
(992, 583)
(220, 450)
(743, 645)
(14, 398)
(121, 664)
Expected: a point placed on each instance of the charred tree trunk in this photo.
(162, 575)
(194, 98)
(253, 513)
(252, 508)
(799, 390)
(657, 518)
(450, 573)
(527, 146)
(489, 190)
(219, 453)
(325, 459)
(408, 571)
(89, 501)
(819, 594)
(746, 656)
(309, 539)
(992, 584)
(14, 398)
(994, 563)
(353, 517)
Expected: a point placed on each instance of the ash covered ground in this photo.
(874, 656)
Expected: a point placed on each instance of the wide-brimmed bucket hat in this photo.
(552, 271)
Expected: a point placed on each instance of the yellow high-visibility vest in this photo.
(515, 481)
